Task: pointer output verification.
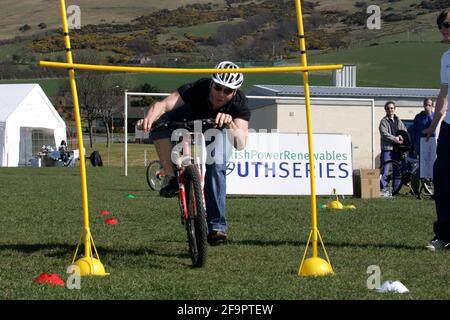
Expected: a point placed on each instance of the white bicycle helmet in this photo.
(229, 80)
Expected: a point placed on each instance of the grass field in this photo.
(113, 156)
(41, 221)
(405, 65)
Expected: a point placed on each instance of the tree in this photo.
(146, 100)
(109, 100)
(86, 87)
(98, 95)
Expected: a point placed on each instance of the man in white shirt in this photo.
(441, 170)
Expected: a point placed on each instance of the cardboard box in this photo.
(366, 183)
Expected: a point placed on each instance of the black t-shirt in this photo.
(197, 93)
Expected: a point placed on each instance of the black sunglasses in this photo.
(219, 88)
(445, 25)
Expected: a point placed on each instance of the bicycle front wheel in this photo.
(391, 173)
(196, 226)
(154, 176)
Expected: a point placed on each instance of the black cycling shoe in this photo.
(170, 189)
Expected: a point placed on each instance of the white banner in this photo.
(278, 164)
(427, 157)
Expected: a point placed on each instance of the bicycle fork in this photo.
(182, 196)
(183, 203)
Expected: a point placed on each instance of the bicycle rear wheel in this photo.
(393, 176)
(154, 176)
(196, 226)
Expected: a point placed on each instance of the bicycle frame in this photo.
(405, 171)
(189, 157)
(193, 151)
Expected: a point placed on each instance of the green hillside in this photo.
(414, 65)
(403, 53)
(392, 65)
(34, 12)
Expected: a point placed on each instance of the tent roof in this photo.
(11, 95)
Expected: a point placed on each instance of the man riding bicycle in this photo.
(218, 98)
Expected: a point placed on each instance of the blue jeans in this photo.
(441, 180)
(216, 183)
(219, 151)
(387, 155)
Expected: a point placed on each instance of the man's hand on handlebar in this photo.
(223, 119)
(144, 124)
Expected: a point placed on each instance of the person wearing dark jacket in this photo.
(389, 126)
(421, 122)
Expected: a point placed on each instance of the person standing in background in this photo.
(389, 126)
(423, 121)
(441, 168)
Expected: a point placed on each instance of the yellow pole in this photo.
(73, 87)
(304, 63)
(81, 66)
(314, 232)
(92, 263)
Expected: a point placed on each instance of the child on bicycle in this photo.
(218, 98)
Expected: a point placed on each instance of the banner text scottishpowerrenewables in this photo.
(279, 164)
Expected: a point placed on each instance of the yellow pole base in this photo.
(90, 267)
(335, 204)
(315, 267)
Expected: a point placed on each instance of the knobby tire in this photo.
(196, 226)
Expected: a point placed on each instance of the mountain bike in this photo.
(407, 175)
(189, 157)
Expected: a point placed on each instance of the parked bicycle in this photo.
(403, 177)
(190, 169)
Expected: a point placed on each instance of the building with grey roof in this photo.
(340, 109)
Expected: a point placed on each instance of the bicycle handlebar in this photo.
(187, 124)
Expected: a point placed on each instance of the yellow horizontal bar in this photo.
(181, 70)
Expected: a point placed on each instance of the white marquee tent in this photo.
(28, 121)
